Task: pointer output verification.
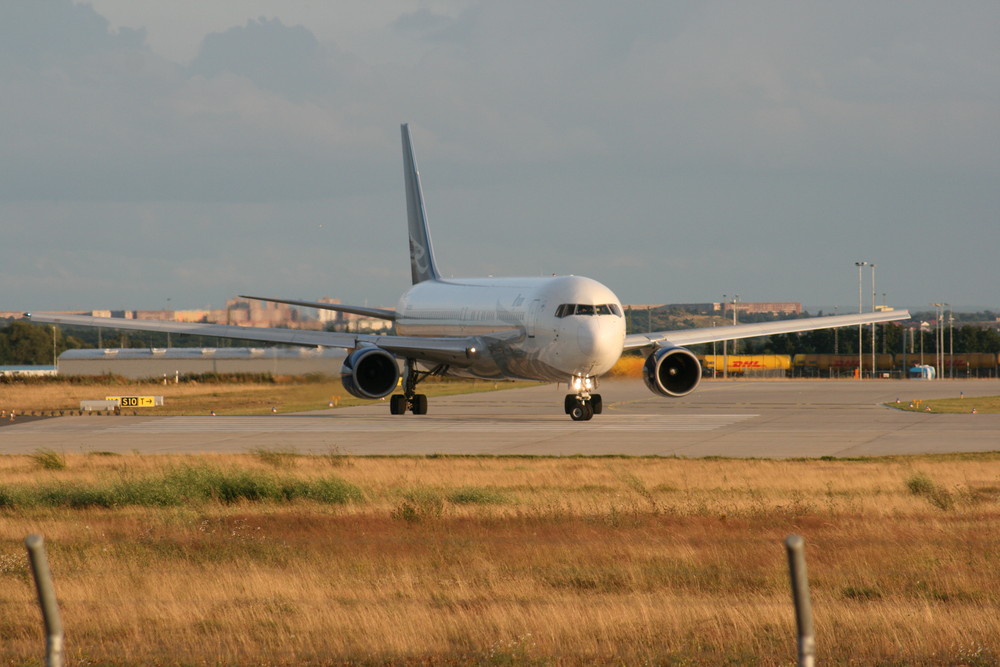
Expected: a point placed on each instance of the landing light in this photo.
(582, 383)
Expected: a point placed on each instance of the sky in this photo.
(176, 154)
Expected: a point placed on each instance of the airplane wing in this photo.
(453, 351)
(364, 311)
(711, 334)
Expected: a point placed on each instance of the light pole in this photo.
(836, 349)
(938, 340)
(951, 341)
(736, 300)
(884, 330)
(941, 373)
(725, 345)
(951, 350)
(921, 329)
(715, 357)
(873, 324)
(860, 328)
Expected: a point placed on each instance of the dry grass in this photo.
(478, 560)
(186, 398)
(628, 366)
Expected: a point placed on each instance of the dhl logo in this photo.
(752, 363)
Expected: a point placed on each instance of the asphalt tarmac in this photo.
(735, 418)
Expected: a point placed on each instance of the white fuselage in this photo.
(531, 328)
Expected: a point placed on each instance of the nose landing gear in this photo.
(582, 406)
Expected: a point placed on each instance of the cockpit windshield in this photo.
(567, 309)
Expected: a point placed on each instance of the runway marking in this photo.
(325, 424)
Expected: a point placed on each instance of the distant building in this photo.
(763, 307)
(328, 316)
(696, 308)
(716, 307)
(142, 363)
(249, 313)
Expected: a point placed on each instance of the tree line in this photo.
(26, 344)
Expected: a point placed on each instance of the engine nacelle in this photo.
(370, 372)
(671, 371)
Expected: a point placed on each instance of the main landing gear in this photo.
(409, 400)
(582, 406)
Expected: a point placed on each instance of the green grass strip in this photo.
(181, 486)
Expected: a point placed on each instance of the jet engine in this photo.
(370, 372)
(671, 371)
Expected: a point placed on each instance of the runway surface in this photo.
(772, 419)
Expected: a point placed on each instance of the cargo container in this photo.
(738, 365)
(839, 364)
(967, 364)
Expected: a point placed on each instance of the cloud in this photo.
(34, 35)
(283, 59)
(94, 115)
(775, 85)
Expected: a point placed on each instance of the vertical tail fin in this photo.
(422, 265)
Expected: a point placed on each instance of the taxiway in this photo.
(771, 419)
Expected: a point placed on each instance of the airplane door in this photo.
(532, 319)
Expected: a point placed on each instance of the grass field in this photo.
(272, 557)
(224, 398)
(981, 404)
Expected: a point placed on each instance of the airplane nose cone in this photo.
(599, 344)
(588, 337)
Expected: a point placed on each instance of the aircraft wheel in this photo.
(569, 403)
(597, 403)
(420, 404)
(397, 404)
(582, 412)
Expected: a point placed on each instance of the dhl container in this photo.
(745, 363)
(965, 360)
(839, 362)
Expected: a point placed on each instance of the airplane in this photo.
(554, 329)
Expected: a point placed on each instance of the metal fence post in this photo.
(46, 600)
(795, 546)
